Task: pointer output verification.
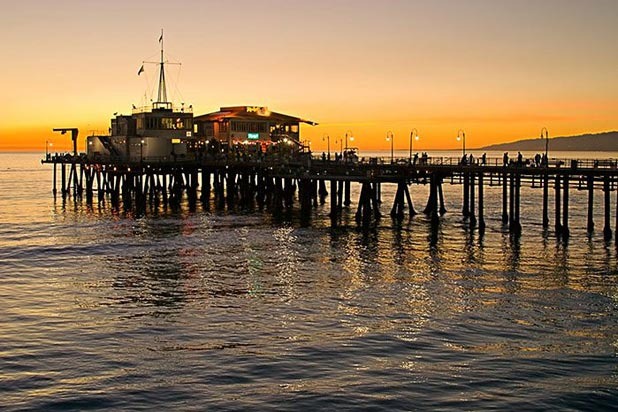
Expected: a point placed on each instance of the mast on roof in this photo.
(162, 95)
(161, 102)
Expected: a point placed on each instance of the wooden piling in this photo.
(465, 210)
(339, 192)
(565, 207)
(557, 224)
(89, 183)
(590, 220)
(505, 215)
(164, 188)
(314, 192)
(304, 194)
(472, 212)
(205, 185)
(607, 230)
(73, 179)
(411, 210)
(64, 180)
(440, 195)
(517, 197)
(99, 186)
(334, 207)
(481, 216)
(363, 211)
(433, 189)
(54, 191)
(430, 208)
(322, 192)
(80, 186)
(545, 200)
(374, 200)
(346, 189)
(398, 203)
(230, 183)
(616, 226)
(512, 202)
(278, 195)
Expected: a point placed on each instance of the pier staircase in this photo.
(107, 143)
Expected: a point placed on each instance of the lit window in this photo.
(167, 123)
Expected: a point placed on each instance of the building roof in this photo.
(250, 113)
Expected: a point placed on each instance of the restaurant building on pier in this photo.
(249, 125)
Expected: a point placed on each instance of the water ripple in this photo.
(194, 310)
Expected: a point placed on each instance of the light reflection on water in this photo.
(240, 310)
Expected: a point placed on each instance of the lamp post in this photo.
(413, 136)
(346, 138)
(546, 143)
(391, 137)
(141, 151)
(461, 135)
(48, 144)
(327, 137)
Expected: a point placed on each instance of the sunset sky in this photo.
(501, 70)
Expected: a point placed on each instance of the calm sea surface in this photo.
(230, 310)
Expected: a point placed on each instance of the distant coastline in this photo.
(598, 142)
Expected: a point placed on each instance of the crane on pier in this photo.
(74, 132)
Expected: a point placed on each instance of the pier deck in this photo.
(276, 182)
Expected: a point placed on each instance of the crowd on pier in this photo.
(537, 161)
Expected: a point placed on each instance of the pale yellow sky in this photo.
(499, 69)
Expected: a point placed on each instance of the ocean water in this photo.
(231, 310)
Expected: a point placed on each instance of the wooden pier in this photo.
(276, 183)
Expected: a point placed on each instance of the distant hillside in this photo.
(600, 142)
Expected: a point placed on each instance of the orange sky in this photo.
(501, 70)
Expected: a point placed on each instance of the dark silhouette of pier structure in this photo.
(277, 183)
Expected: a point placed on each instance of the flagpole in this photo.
(161, 42)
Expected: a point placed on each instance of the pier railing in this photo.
(277, 159)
